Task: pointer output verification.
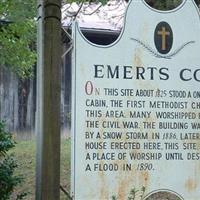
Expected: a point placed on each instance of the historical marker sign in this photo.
(136, 108)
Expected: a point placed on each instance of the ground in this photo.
(25, 154)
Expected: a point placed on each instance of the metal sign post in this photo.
(48, 100)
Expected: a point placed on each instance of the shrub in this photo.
(8, 164)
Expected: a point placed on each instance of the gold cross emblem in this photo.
(163, 34)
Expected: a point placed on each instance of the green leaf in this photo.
(18, 36)
(8, 164)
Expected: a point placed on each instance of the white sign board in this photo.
(136, 108)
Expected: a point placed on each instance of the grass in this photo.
(25, 154)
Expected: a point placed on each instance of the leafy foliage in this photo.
(166, 4)
(114, 197)
(18, 35)
(6, 141)
(133, 194)
(103, 2)
(7, 166)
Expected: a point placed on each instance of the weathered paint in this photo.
(133, 63)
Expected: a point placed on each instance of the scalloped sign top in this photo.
(136, 108)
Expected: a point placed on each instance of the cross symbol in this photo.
(163, 34)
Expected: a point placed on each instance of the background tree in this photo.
(18, 35)
(166, 4)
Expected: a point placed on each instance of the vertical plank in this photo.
(48, 100)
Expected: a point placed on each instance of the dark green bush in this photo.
(8, 164)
